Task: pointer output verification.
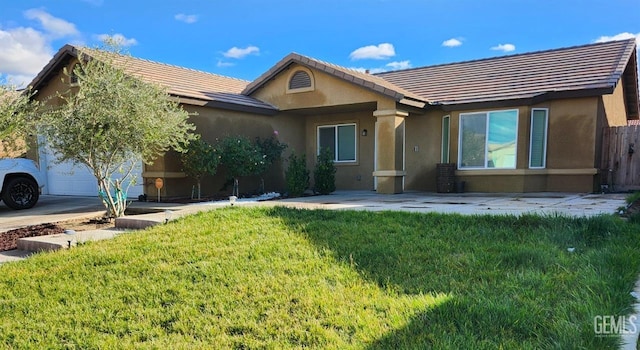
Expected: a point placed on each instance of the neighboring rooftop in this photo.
(594, 68)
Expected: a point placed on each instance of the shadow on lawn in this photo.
(462, 256)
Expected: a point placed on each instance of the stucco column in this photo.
(390, 150)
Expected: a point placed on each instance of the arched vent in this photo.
(300, 80)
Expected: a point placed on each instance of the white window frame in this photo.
(544, 142)
(486, 150)
(336, 150)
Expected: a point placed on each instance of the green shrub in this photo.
(633, 197)
(271, 149)
(200, 159)
(241, 157)
(324, 174)
(297, 175)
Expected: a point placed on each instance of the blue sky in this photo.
(244, 38)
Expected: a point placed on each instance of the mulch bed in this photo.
(9, 239)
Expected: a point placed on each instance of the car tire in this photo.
(21, 193)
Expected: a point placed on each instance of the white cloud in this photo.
(504, 47)
(223, 64)
(236, 52)
(24, 52)
(186, 18)
(380, 52)
(17, 80)
(118, 39)
(621, 36)
(56, 27)
(453, 42)
(389, 66)
(399, 65)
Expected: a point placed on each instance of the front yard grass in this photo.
(279, 278)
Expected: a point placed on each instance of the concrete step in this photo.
(62, 241)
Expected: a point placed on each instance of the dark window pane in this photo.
(327, 138)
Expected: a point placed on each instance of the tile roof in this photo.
(182, 82)
(588, 67)
(586, 70)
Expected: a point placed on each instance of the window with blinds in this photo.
(538, 146)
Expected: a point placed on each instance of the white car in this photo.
(20, 182)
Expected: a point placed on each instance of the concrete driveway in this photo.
(572, 204)
(63, 208)
(50, 209)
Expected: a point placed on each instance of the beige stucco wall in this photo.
(332, 101)
(211, 124)
(215, 124)
(614, 107)
(349, 175)
(571, 151)
(329, 91)
(422, 150)
(572, 158)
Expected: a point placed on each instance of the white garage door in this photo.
(69, 180)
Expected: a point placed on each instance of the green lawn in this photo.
(277, 278)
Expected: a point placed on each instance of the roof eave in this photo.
(66, 52)
(225, 105)
(528, 100)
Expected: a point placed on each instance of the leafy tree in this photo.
(241, 158)
(200, 159)
(271, 149)
(324, 174)
(297, 175)
(111, 122)
(16, 110)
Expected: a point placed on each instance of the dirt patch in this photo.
(9, 239)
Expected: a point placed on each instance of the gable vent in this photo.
(300, 80)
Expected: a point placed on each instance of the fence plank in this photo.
(620, 164)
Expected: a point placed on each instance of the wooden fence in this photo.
(620, 167)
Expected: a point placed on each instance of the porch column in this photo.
(390, 150)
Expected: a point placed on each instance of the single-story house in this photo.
(520, 123)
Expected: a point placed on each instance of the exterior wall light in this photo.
(364, 132)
